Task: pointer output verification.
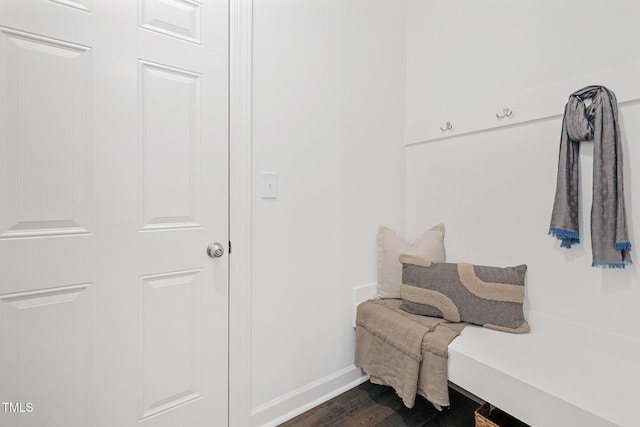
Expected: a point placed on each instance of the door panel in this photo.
(176, 18)
(45, 337)
(113, 181)
(170, 147)
(45, 125)
(170, 334)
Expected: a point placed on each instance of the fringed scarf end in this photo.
(618, 265)
(568, 237)
(623, 246)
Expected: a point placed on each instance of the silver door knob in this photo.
(215, 250)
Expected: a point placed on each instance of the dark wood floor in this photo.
(379, 406)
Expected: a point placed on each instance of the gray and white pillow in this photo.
(488, 296)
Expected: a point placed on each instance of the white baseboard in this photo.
(360, 294)
(296, 402)
(285, 407)
(364, 292)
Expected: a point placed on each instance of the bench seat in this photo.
(561, 374)
(545, 380)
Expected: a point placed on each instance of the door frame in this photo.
(240, 207)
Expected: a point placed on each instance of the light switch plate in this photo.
(269, 185)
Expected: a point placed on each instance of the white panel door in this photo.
(113, 181)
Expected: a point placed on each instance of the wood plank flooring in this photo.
(374, 405)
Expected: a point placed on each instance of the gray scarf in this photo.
(598, 123)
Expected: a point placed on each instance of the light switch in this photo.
(269, 185)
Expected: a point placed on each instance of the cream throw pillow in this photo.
(429, 245)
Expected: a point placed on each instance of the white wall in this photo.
(463, 52)
(333, 87)
(494, 188)
(328, 116)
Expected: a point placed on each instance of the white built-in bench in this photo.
(546, 380)
(560, 374)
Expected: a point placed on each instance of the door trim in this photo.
(240, 206)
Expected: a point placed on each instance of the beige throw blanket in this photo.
(405, 351)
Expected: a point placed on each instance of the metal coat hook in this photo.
(506, 112)
(446, 127)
